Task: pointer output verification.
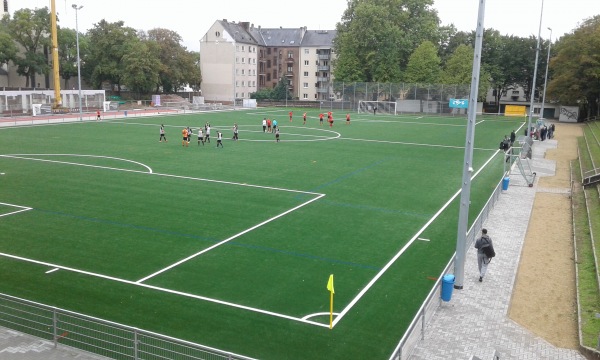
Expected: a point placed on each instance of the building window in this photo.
(242, 48)
(243, 95)
(217, 34)
(305, 96)
(305, 85)
(290, 69)
(306, 51)
(306, 73)
(269, 51)
(243, 84)
(236, 84)
(268, 76)
(243, 72)
(290, 54)
(243, 60)
(305, 62)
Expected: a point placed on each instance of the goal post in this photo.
(377, 107)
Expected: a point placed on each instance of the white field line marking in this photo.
(318, 314)
(166, 290)
(170, 175)
(410, 242)
(53, 270)
(228, 239)
(423, 239)
(26, 157)
(408, 122)
(23, 208)
(411, 143)
(479, 122)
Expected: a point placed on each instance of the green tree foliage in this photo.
(281, 92)
(142, 68)
(576, 68)
(424, 65)
(8, 48)
(30, 29)
(179, 67)
(459, 70)
(376, 37)
(111, 42)
(67, 53)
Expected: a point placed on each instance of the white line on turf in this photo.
(228, 239)
(408, 244)
(23, 208)
(167, 290)
(53, 270)
(423, 239)
(28, 157)
(318, 314)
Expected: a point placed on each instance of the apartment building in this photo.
(229, 62)
(302, 57)
(316, 55)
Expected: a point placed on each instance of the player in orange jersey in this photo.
(184, 133)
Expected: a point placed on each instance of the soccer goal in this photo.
(377, 107)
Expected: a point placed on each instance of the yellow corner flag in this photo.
(331, 291)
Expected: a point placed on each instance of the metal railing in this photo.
(416, 330)
(99, 336)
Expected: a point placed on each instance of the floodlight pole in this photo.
(546, 77)
(77, 8)
(537, 55)
(465, 195)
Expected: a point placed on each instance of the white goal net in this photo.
(377, 107)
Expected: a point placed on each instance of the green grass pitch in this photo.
(232, 247)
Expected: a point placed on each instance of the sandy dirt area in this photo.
(544, 296)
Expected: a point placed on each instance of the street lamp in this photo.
(537, 54)
(546, 78)
(77, 8)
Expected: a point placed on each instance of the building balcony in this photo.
(323, 68)
(324, 57)
(289, 60)
(323, 90)
(323, 79)
(289, 74)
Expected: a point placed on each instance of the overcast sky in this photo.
(191, 19)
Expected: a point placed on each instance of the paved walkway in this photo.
(475, 322)
(15, 345)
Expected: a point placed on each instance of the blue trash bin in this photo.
(447, 287)
(505, 182)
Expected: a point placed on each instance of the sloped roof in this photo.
(313, 38)
(238, 32)
(280, 37)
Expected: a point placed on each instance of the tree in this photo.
(141, 68)
(111, 42)
(280, 91)
(459, 70)
(576, 68)
(376, 37)
(424, 65)
(30, 29)
(8, 49)
(67, 52)
(178, 66)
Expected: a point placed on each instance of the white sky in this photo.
(191, 19)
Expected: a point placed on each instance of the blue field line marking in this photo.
(211, 240)
(313, 257)
(350, 174)
(378, 209)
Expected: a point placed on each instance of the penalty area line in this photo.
(175, 292)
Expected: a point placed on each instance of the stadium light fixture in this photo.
(546, 77)
(77, 8)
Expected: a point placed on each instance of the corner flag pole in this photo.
(331, 291)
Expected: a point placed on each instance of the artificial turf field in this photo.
(232, 247)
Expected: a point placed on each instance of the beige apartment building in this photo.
(262, 57)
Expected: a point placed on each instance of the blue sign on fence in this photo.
(459, 103)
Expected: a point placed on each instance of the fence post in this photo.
(54, 332)
(135, 343)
